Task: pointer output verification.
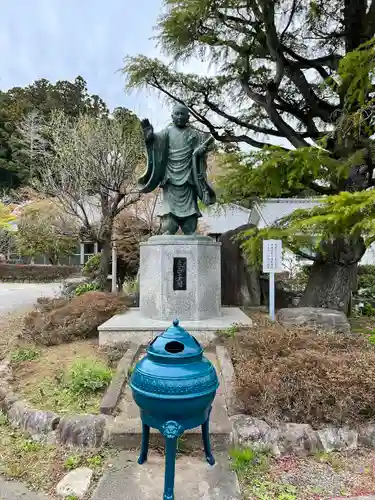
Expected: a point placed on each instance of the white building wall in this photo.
(369, 257)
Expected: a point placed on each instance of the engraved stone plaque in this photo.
(179, 273)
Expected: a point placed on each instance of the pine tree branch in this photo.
(226, 137)
(259, 130)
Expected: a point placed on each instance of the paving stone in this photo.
(195, 479)
(13, 490)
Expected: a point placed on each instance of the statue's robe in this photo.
(181, 175)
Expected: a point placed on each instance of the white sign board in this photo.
(272, 256)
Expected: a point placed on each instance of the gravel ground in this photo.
(328, 475)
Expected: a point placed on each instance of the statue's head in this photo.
(180, 115)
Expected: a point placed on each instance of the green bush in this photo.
(88, 376)
(368, 310)
(92, 265)
(86, 287)
(366, 269)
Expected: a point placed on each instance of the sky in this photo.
(61, 39)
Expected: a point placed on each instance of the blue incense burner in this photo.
(174, 386)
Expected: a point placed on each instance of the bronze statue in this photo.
(177, 162)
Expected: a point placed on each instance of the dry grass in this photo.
(11, 326)
(304, 376)
(60, 320)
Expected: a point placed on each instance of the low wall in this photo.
(35, 273)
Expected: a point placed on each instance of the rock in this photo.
(76, 483)
(240, 283)
(69, 286)
(81, 430)
(38, 423)
(327, 319)
(253, 432)
(334, 439)
(297, 438)
(366, 435)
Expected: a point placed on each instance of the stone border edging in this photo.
(229, 379)
(120, 378)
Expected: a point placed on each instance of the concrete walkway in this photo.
(13, 490)
(15, 296)
(195, 479)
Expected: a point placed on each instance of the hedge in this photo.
(35, 273)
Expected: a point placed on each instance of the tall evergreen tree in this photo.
(298, 73)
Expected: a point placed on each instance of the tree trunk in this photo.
(52, 260)
(105, 258)
(333, 276)
(106, 255)
(240, 285)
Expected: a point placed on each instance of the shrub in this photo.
(87, 377)
(368, 269)
(56, 321)
(92, 265)
(35, 273)
(86, 287)
(304, 376)
(368, 310)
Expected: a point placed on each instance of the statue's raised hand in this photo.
(148, 130)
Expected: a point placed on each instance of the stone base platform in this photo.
(133, 327)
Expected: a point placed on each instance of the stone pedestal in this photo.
(180, 277)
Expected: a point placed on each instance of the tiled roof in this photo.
(275, 208)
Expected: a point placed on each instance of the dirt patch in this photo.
(38, 380)
(302, 375)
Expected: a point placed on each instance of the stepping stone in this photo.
(195, 479)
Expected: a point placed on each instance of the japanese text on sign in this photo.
(272, 256)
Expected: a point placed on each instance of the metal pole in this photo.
(272, 296)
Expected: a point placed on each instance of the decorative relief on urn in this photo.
(172, 429)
